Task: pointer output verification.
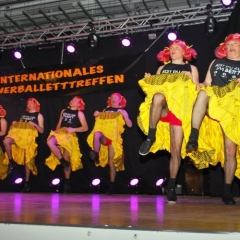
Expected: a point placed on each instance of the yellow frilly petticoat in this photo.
(224, 106)
(68, 141)
(111, 124)
(180, 93)
(3, 167)
(24, 150)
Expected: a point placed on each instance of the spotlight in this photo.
(17, 54)
(70, 48)
(160, 182)
(134, 182)
(18, 184)
(227, 3)
(93, 40)
(96, 182)
(18, 181)
(55, 181)
(96, 185)
(172, 35)
(134, 185)
(55, 184)
(126, 41)
(210, 25)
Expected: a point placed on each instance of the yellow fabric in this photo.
(68, 141)
(111, 124)
(224, 106)
(24, 150)
(3, 167)
(180, 93)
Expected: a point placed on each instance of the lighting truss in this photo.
(117, 26)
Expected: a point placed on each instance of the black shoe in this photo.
(171, 196)
(228, 200)
(66, 188)
(26, 188)
(94, 157)
(145, 147)
(65, 164)
(11, 166)
(192, 145)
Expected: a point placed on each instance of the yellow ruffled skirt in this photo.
(224, 106)
(3, 167)
(180, 93)
(68, 141)
(24, 150)
(111, 124)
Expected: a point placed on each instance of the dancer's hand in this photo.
(200, 85)
(188, 74)
(147, 74)
(70, 129)
(96, 113)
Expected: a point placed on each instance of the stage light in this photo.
(55, 181)
(18, 181)
(96, 182)
(160, 182)
(134, 185)
(70, 48)
(172, 35)
(227, 3)
(126, 41)
(93, 40)
(55, 184)
(17, 54)
(210, 25)
(96, 185)
(134, 182)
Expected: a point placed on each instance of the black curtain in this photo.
(148, 168)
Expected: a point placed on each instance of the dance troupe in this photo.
(179, 114)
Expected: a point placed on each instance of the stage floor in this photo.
(141, 212)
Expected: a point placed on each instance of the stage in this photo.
(98, 216)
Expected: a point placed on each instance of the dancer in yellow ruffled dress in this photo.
(165, 113)
(3, 130)
(20, 142)
(63, 142)
(105, 138)
(221, 102)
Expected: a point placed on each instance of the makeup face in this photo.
(74, 103)
(233, 50)
(31, 106)
(115, 100)
(176, 52)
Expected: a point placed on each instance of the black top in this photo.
(70, 118)
(30, 117)
(176, 68)
(224, 71)
(110, 109)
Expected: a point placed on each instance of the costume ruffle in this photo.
(224, 106)
(111, 124)
(180, 93)
(68, 141)
(25, 146)
(3, 167)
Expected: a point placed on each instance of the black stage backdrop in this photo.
(54, 77)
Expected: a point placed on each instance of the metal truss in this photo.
(111, 27)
